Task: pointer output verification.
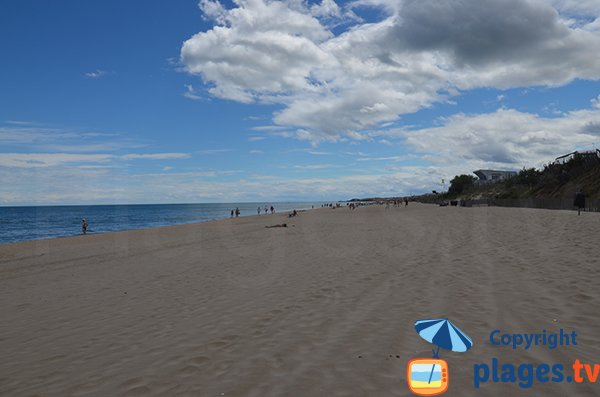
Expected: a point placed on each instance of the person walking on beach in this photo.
(258, 210)
(237, 212)
(272, 210)
(84, 226)
(266, 210)
(579, 201)
(232, 213)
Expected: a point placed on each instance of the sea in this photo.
(43, 222)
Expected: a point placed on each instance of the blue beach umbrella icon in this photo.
(442, 333)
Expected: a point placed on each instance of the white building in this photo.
(492, 176)
(587, 155)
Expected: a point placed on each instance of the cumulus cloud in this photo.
(332, 86)
(578, 7)
(256, 50)
(327, 8)
(476, 32)
(505, 139)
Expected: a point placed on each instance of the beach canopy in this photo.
(442, 333)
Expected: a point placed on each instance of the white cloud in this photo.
(191, 93)
(213, 10)
(255, 138)
(95, 74)
(155, 156)
(38, 138)
(21, 122)
(27, 135)
(256, 50)
(421, 52)
(326, 9)
(578, 7)
(386, 158)
(315, 166)
(505, 139)
(268, 128)
(40, 160)
(215, 151)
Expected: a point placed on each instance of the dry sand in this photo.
(321, 308)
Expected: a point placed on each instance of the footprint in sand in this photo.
(137, 391)
(199, 361)
(188, 371)
(223, 342)
(135, 387)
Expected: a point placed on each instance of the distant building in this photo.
(492, 176)
(586, 155)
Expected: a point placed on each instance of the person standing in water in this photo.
(84, 226)
(237, 212)
(258, 210)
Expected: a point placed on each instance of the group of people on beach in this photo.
(579, 204)
(397, 202)
(237, 212)
(266, 210)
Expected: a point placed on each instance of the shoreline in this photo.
(145, 229)
(132, 230)
(93, 232)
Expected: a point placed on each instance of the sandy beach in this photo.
(324, 307)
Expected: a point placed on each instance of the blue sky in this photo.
(187, 101)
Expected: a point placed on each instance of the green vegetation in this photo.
(460, 184)
(553, 181)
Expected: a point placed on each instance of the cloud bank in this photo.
(338, 76)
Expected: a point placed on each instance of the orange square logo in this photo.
(427, 376)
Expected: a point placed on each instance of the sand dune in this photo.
(324, 307)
